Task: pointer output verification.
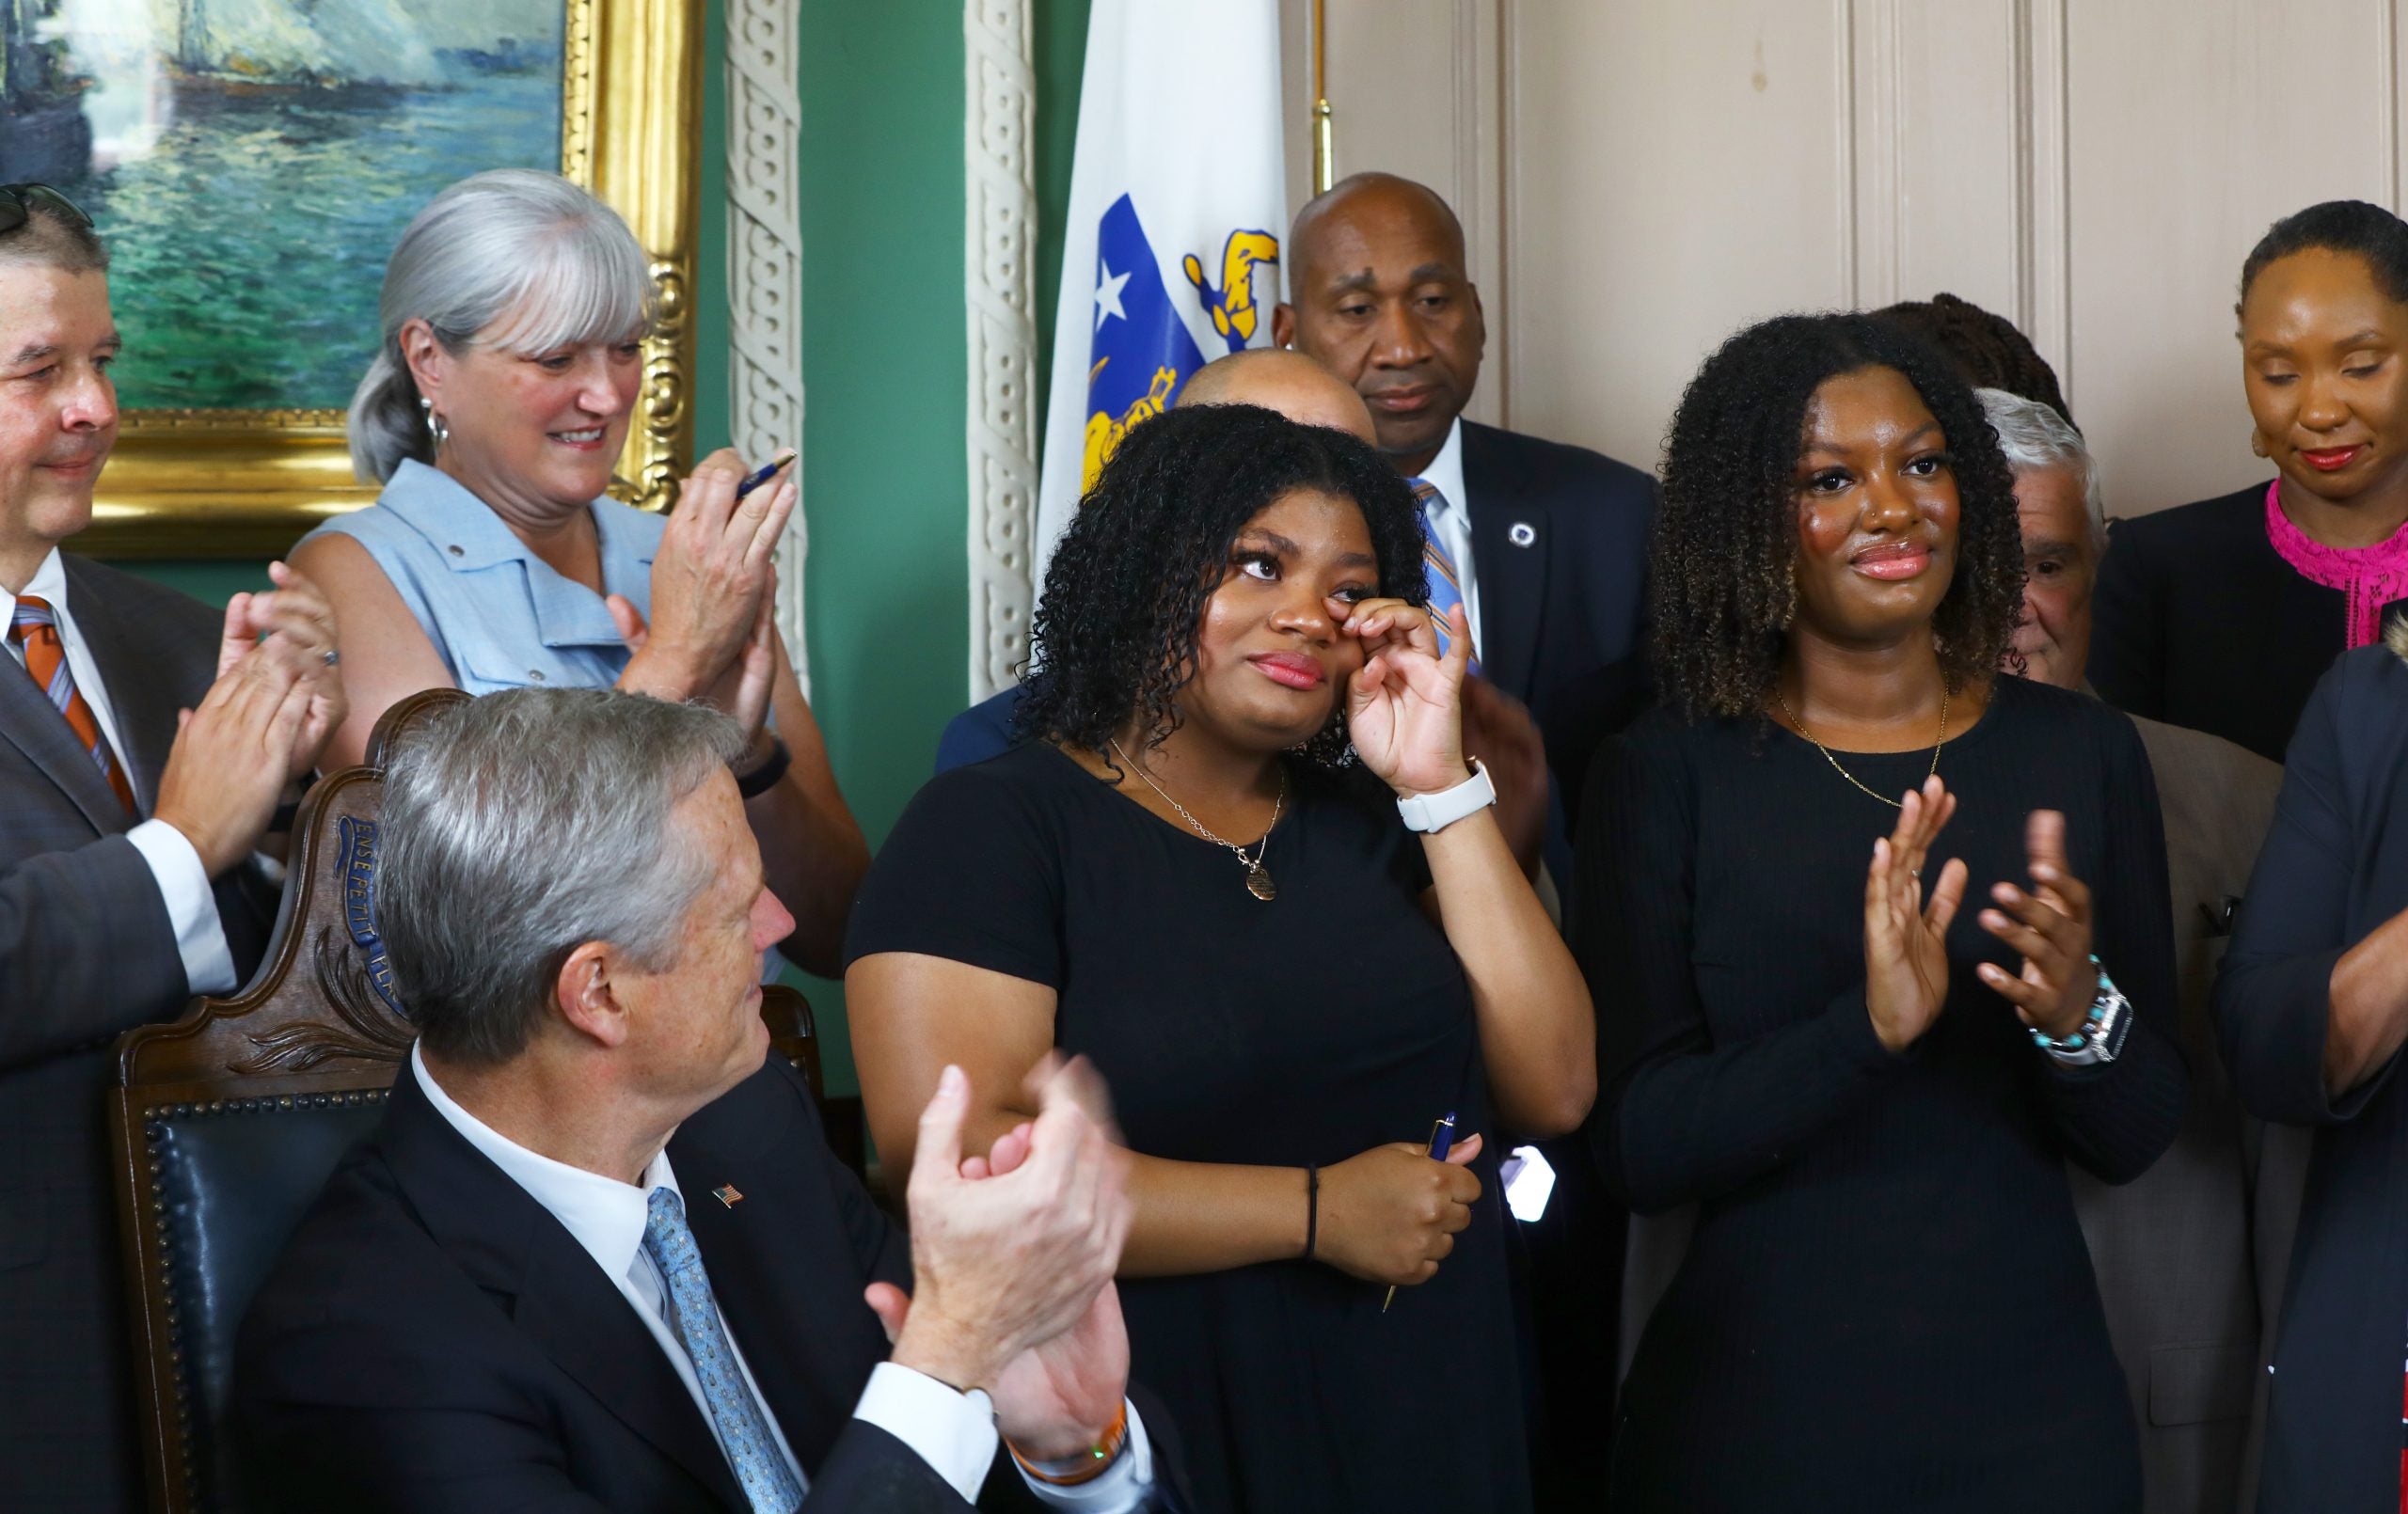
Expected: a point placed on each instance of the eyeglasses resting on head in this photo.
(16, 207)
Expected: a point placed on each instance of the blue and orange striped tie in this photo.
(1438, 565)
(34, 627)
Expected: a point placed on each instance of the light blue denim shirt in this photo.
(499, 616)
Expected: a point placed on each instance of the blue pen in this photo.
(769, 470)
(1442, 1140)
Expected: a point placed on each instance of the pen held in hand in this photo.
(767, 471)
(1442, 1139)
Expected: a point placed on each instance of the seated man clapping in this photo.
(599, 1256)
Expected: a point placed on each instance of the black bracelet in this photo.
(1312, 1209)
(762, 779)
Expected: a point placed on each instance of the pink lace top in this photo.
(2371, 576)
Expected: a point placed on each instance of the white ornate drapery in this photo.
(765, 266)
(999, 246)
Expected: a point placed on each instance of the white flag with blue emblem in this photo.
(1178, 206)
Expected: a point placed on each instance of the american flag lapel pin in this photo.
(727, 1194)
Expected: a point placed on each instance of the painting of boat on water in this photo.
(252, 161)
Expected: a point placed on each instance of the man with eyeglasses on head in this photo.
(128, 834)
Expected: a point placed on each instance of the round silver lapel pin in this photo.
(1522, 533)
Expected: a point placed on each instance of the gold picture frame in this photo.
(248, 484)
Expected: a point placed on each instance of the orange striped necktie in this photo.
(34, 627)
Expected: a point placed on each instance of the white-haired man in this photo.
(597, 1255)
(2190, 1256)
(127, 830)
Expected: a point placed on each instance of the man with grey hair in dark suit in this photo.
(599, 1256)
(145, 740)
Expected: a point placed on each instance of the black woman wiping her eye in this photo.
(1289, 960)
(1878, 937)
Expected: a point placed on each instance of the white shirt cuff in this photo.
(192, 909)
(950, 1431)
(1118, 1489)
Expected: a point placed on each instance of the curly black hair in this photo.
(1724, 585)
(1988, 348)
(1115, 631)
(2350, 226)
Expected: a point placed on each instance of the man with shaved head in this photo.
(1289, 383)
(144, 740)
(1545, 546)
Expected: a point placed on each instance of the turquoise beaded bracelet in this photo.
(2091, 1043)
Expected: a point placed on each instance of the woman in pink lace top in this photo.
(2221, 615)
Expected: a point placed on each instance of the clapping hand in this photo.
(1013, 1255)
(1906, 941)
(711, 583)
(230, 759)
(2051, 927)
(744, 687)
(1499, 730)
(294, 627)
(1404, 704)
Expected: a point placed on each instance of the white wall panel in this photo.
(1674, 171)
(2192, 125)
(1640, 177)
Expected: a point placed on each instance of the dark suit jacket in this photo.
(978, 732)
(2334, 867)
(434, 1342)
(2200, 623)
(1559, 540)
(2173, 1248)
(87, 951)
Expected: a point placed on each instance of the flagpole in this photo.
(1324, 155)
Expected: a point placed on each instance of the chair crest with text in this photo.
(227, 1122)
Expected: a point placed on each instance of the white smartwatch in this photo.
(1429, 813)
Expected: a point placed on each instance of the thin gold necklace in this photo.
(1257, 878)
(1835, 762)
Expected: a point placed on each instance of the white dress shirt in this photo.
(183, 883)
(1451, 524)
(951, 1432)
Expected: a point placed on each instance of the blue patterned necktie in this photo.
(743, 1427)
(1439, 566)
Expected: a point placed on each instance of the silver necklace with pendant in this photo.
(1257, 878)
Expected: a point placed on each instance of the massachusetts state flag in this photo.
(1178, 205)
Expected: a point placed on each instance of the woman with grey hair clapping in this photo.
(514, 313)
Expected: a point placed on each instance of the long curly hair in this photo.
(1724, 585)
(1115, 629)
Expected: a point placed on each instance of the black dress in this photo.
(1886, 1303)
(1305, 1030)
(2200, 623)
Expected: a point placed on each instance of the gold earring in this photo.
(2257, 444)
